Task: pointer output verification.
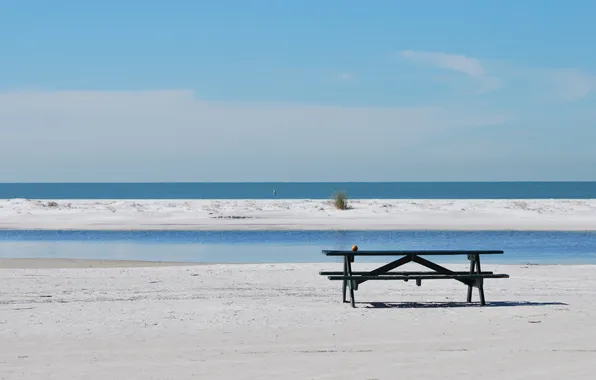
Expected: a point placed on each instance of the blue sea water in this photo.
(301, 190)
(292, 246)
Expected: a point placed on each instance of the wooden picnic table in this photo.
(474, 278)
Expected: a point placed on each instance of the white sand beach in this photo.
(62, 263)
(373, 214)
(284, 321)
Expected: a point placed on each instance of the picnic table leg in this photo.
(352, 282)
(345, 282)
(480, 282)
(472, 259)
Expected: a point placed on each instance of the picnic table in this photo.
(474, 278)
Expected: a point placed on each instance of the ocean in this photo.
(295, 246)
(301, 190)
(521, 247)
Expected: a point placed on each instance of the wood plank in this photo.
(420, 277)
(412, 252)
(339, 273)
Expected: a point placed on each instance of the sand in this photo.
(284, 321)
(401, 214)
(26, 263)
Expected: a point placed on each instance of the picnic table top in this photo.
(327, 252)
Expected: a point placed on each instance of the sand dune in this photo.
(298, 214)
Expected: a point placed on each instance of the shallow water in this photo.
(292, 246)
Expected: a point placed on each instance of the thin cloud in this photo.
(459, 63)
(543, 84)
(344, 76)
(565, 85)
(173, 136)
(572, 85)
(473, 69)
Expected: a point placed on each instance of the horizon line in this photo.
(286, 182)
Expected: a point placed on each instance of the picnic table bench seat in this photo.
(474, 278)
(407, 277)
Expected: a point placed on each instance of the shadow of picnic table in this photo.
(430, 305)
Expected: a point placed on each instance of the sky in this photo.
(255, 90)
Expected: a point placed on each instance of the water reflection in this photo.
(291, 246)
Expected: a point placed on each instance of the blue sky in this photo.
(297, 91)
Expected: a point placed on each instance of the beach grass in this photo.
(340, 200)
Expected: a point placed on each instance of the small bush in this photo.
(52, 204)
(340, 200)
